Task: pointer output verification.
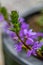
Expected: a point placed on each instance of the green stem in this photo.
(29, 47)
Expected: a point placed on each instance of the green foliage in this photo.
(41, 30)
(14, 19)
(40, 21)
(0, 9)
(42, 11)
(40, 38)
(13, 29)
(42, 48)
(3, 10)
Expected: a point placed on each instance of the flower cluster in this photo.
(25, 37)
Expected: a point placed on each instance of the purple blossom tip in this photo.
(21, 20)
(29, 52)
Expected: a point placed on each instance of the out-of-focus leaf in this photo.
(40, 21)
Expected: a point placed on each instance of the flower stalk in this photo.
(19, 30)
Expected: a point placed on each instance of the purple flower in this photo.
(34, 52)
(21, 20)
(21, 33)
(24, 26)
(25, 31)
(34, 37)
(29, 41)
(29, 52)
(11, 34)
(5, 25)
(30, 33)
(18, 47)
(22, 39)
(40, 34)
(1, 18)
(36, 45)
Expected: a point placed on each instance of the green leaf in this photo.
(13, 29)
(0, 9)
(42, 48)
(40, 38)
(4, 12)
(41, 30)
(42, 11)
(14, 17)
(40, 21)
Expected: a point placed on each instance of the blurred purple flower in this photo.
(34, 37)
(34, 52)
(21, 20)
(25, 31)
(5, 25)
(40, 34)
(21, 33)
(30, 33)
(29, 41)
(11, 34)
(18, 47)
(24, 26)
(36, 45)
(1, 18)
(29, 52)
